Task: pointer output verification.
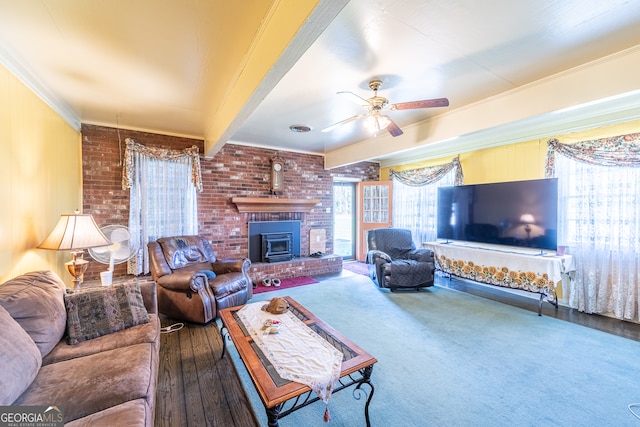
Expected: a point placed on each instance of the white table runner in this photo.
(296, 351)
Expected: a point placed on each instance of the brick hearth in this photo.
(303, 266)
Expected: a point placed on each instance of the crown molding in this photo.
(26, 76)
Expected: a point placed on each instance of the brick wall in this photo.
(235, 171)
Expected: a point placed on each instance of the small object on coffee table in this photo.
(271, 326)
(276, 306)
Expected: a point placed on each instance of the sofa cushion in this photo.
(408, 273)
(131, 413)
(144, 333)
(94, 312)
(87, 385)
(20, 359)
(35, 301)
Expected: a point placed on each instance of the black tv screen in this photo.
(517, 213)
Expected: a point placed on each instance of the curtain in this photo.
(415, 196)
(163, 196)
(599, 221)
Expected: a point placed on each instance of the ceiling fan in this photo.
(376, 121)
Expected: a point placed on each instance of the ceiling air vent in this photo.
(300, 128)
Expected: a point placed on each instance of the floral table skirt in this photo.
(502, 266)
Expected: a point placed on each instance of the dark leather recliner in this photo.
(192, 284)
(395, 263)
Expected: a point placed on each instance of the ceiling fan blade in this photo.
(426, 103)
(355, 98)
(340, 123)
(393, 128)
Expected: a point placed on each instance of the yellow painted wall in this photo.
(521, 161)
(40, 176)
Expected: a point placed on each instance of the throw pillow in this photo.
(94, 312)
(35, 301)
(19, 357)
(210, 274)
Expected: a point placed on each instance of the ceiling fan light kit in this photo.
(374, 105)
(376, 122)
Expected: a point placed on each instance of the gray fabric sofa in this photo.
(107, 379)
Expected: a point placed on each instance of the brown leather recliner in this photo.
(192, 284)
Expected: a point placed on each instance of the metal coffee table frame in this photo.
(281, 397)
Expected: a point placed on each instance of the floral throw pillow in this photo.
(94, 312)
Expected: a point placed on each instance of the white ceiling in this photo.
(506, 66)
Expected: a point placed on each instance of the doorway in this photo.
(344, 219)
(374, 207)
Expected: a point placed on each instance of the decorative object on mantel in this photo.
(272, 204)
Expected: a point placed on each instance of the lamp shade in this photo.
(527, 219)
(75, 231)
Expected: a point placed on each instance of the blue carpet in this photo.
(446, 358)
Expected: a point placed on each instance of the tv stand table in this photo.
(523, 269)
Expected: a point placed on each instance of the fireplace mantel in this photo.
(273, 204)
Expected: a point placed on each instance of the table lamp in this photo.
(75, 232)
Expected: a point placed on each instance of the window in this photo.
(599, 220)
(163, 198)
(598, 205)
(415, 207)
(376, 200)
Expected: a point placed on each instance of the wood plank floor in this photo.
(197, 388)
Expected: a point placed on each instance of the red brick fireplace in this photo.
(235, 172)
(301, 264)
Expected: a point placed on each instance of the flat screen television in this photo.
(517, 213)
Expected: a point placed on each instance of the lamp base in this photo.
(76, 268)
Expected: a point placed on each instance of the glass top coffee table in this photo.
(281, 397)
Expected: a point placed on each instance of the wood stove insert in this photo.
(277, 247)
